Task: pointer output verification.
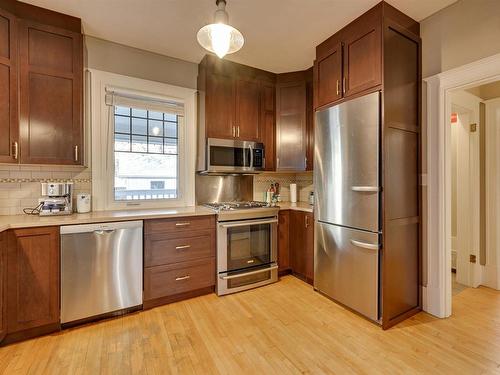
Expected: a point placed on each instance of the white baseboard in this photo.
(490, 277)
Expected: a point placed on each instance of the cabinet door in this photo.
(362, 57)
(298, 253)
(268, 125)
(291, 132)
(33, 278)
(328, 77)
(51, 76)
(9, 129)
(283, 240)
(248, 110)
(220, 102)
(3, 285)
(309, 245)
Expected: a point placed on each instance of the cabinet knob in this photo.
(338, 87)
(238, 131)
(344, 83)
(76, 153)
(234, 131)
(182, 278)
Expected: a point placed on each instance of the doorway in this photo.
(437, 182)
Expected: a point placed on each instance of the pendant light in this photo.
(219, 37)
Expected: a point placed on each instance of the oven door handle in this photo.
(229, 277)
(249, 222)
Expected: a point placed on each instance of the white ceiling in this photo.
(280, 35)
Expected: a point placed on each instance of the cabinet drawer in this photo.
(163, 281)
(179, 224)
(162, 249)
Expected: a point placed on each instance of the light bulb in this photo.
(221, 38)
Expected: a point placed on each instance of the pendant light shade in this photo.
(219, 37)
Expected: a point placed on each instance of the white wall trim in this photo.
(437, 294)
(99, 80)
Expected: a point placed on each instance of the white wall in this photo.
(133, 62)
(459, 34)
(492, 277)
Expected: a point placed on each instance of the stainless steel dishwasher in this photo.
(101, 269)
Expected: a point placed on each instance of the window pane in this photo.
(139, 112)
(156, 128)
(145, 176)
(156, 115)
(122, 124)
(170, 117)
(122, 111)
(156, 145)
(170, 146)
(122, 142)
(139, 143)
(171, 129)
(139, 126)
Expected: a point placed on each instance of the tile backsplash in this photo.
(20, 185)
(304, 181)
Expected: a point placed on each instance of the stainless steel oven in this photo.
(246, 251)
(232, 156)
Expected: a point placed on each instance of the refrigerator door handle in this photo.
(364, 245)
(366, 188)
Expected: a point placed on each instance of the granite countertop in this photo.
(27, 221)
(299, 206)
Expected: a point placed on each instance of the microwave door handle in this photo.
(251, 156)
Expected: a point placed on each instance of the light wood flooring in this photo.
(284, 328)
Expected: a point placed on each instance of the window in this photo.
(146, 154)
(143, 143)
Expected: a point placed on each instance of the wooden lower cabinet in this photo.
(283, 242)
(33, 261)
(302, 244)
(179, 259)
(296, 244)
(3, 285)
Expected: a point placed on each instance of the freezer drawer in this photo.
(346, 170)
(346, 267)
(101, 269)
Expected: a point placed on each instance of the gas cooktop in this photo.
(231, 206)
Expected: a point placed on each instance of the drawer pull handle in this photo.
(182, 224)
(182, 247)
(182, 278)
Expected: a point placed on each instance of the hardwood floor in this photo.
(284, 328)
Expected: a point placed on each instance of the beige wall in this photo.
(459, 34)
(117, 58)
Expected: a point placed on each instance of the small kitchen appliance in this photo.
(83, 203)
(56, 199)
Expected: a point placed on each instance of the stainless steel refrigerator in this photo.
(347, 210)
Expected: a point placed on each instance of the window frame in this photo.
(102, 132)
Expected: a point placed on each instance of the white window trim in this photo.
(102, 151)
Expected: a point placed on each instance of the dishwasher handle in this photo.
(100, 227)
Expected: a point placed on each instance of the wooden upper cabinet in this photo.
(362, 57)
(33, 278)
(51, 76)
(220, 106)
(247, 110)
(267, 124)
(350, 61)
(9, 130)
(231, 99)
(291, 127)
(328, 72)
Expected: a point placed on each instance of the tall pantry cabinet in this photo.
(381, 52)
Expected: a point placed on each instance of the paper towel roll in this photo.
(293, 193)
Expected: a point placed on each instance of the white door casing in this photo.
(437, 289)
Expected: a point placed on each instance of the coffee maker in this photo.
(56, 199)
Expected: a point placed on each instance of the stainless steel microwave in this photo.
(232, 156)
